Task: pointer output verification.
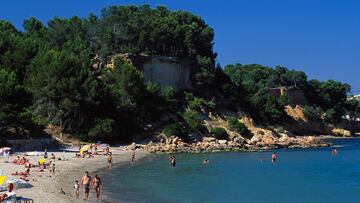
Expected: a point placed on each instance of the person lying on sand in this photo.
(29, 165)
(26, 173)
(3, 197)
(24, 178)
(19, 161)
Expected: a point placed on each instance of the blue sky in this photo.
(321, 38)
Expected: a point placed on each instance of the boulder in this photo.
(341, 132)
(256, 138)
(283, 137)
(239, 140)
(209, 139)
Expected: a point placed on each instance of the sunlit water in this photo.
(312, 175)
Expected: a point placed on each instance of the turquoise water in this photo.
(311, 175)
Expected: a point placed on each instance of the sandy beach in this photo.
(46, 186)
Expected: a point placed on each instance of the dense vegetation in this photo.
(45, 77)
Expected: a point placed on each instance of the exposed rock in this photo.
(283, 137)
(341, 132)
(209, 139)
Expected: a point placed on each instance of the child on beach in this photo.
(53, 169)
(76, 189)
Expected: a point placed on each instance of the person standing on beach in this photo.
(109, 160)
(273, 157)
(133, 157)
(76, 189)
(85, 181)
(45, 154)
(53, 168)
(96, 183)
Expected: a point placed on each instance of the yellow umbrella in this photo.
(2, 180)
(84, 149)
(42, 161)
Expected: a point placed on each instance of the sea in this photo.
(299, 175)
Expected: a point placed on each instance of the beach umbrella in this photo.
(2, 180)
(42, 161)
(4, 149)
(84, 149)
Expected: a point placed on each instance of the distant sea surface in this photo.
(306, 175)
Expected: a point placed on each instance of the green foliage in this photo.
(327, 94)
(253, 83)
(239, 127)
(154, 31)
(174, 129)
(197, 103)
(219, 133)
(330, 96)
(192, 119)
(9, 90)
(312, 112)
(62, 87)
(103, 129)
(352, 108)
(46, 76)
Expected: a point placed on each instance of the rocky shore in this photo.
(210, 144)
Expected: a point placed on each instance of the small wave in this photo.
(338, 146)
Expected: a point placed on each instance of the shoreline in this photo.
(46, 186)
(92, 166)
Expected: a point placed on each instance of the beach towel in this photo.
(11, 197)
(19, 183)
(35, 153)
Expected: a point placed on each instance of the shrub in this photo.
(239, 127)
(103, 129)
(174, 129)
(192, 119)
(196, 103)
(312, 112)
(219, 133)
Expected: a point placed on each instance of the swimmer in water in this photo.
(205, 161)
(334, 152)
(173, 161)
(273, 157)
